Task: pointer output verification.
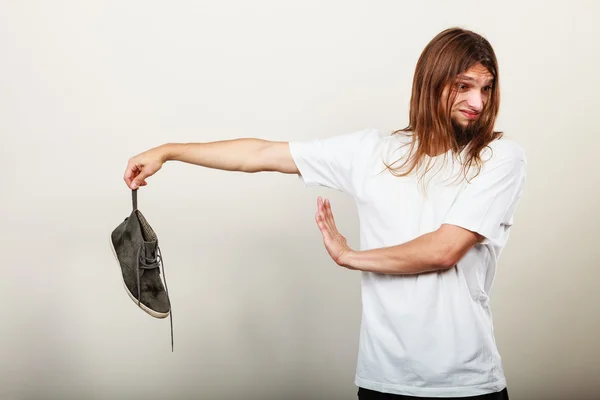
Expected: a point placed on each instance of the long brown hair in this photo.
(450, 53)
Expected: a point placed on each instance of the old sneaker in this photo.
(135, 246)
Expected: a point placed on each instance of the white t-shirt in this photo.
(429, 334)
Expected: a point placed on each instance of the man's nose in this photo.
(475, 100)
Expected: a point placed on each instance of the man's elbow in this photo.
(446, 261)
(452, 245)
(447, 257)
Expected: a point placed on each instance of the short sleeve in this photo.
(488, 202)
(333, 162)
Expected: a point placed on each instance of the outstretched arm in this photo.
(243, 155)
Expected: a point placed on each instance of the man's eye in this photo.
(461, 86)
(487, 88)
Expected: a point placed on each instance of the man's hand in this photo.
(142, 166)
(334, 242)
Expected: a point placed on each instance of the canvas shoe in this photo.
(135, 246)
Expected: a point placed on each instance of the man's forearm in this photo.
(230, 155)
(423, 254)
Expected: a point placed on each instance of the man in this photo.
(431, 230)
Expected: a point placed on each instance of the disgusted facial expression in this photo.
(472, 90)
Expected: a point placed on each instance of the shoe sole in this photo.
(153, 313)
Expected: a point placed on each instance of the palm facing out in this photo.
(334, 242)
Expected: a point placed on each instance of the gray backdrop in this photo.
(260, 310)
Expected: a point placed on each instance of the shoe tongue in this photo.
(150, 249)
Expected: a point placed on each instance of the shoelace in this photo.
(144, 262)
(150, 264)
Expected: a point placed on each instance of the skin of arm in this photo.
(439, 250)
(244, 155)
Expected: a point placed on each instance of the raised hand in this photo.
(334, 242)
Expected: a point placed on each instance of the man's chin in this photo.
(464, 131)
(463, 122)
(460, 124)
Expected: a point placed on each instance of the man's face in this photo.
(473, 89)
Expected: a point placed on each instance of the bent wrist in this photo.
(168, 152)
(349, 259)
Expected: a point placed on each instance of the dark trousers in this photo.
(366, 394)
